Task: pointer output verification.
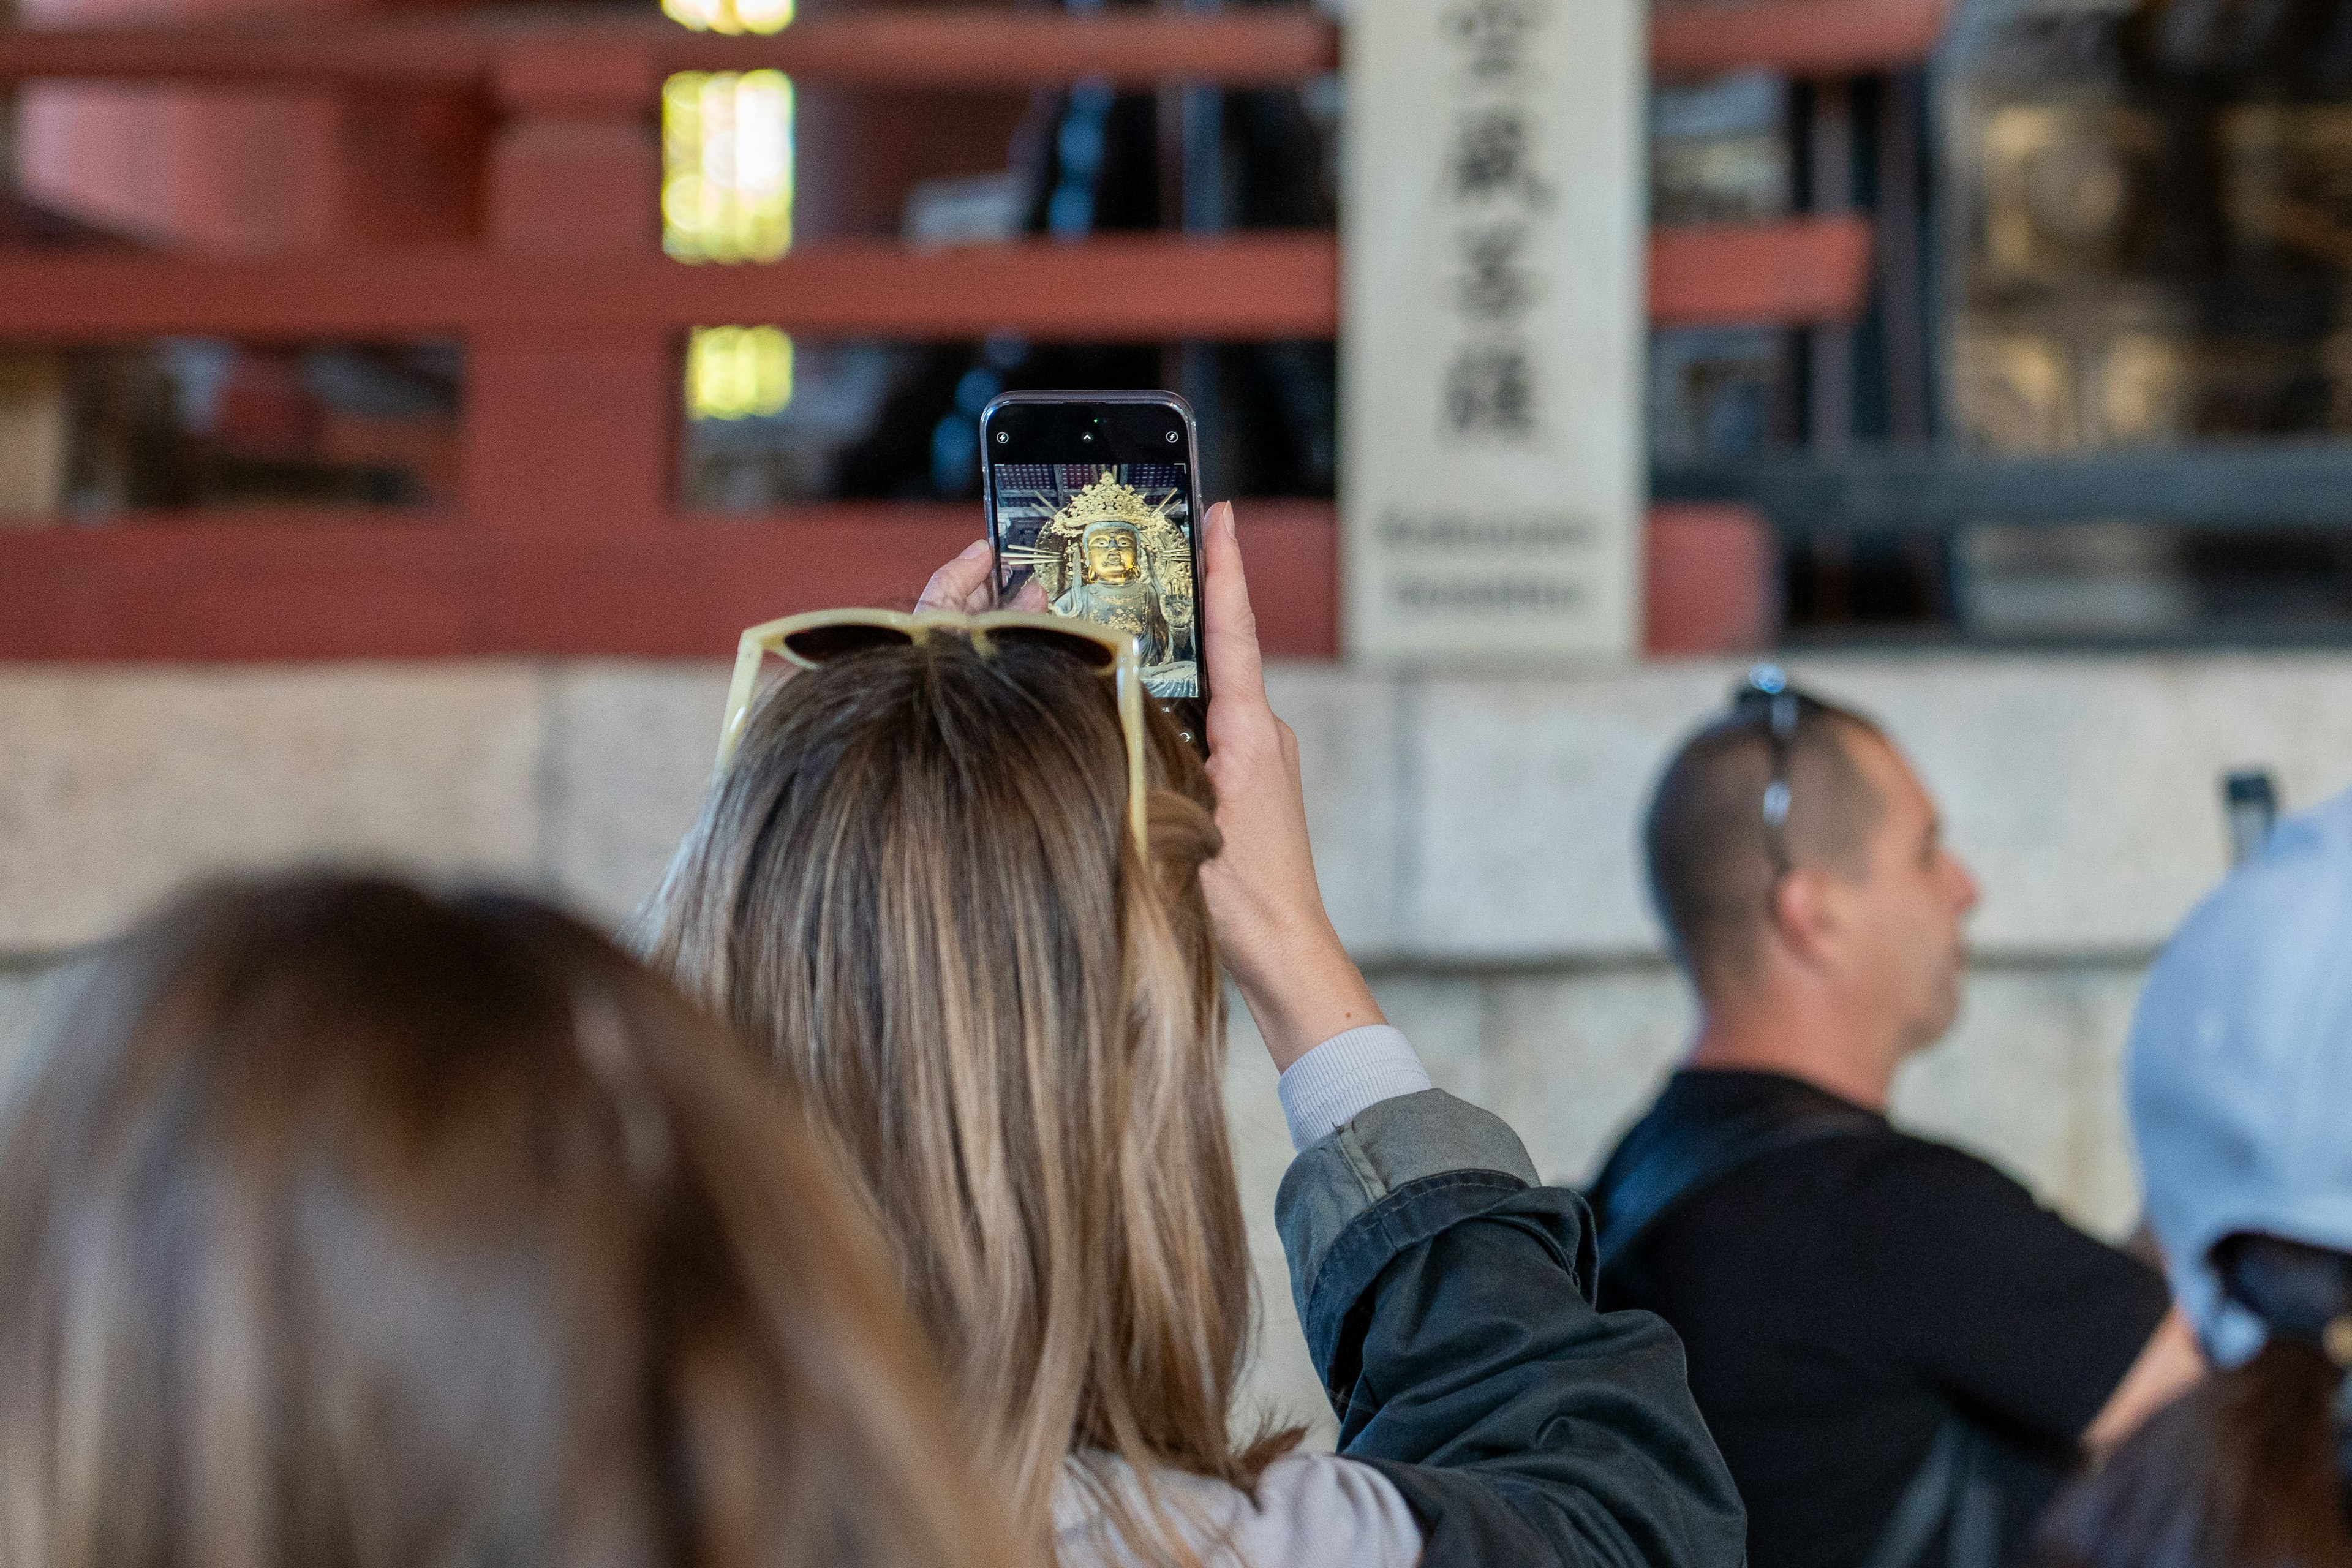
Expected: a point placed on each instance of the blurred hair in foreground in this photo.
(349, 1225)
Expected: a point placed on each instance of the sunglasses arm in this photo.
(748, 654)
(1130, 724)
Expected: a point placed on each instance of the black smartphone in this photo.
(1097, 496)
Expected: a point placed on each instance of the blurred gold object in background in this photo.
(2012, 392)
(2139, 388)
(2074, 379)
(2067, 190)
(2287, 182)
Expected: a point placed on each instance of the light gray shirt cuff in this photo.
(1346, 1076)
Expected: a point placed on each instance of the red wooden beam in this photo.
(1804, 272)
(427, 50)
(337, 584)
(1114, 289)
(941, 48)
(313, 585)
(1802, 37)
(909, 49)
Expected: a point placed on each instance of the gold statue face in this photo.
(1110, 535)
(1110, 555)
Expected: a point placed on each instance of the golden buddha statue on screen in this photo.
(1114, 557)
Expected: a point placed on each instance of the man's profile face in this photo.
(1912, 903)
(1110, 556)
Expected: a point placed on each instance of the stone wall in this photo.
(1476, 838)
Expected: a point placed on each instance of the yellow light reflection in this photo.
(726, 165)
(735, 373)
(726, 196)
(730, 15)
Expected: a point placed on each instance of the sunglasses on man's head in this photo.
(1766, 698)
(821, 636)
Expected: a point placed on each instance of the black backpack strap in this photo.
(1950, 1492)
(1666, 1161)
(1927, 1502)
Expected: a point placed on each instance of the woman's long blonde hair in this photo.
(917, 890)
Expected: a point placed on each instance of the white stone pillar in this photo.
(1493, 482)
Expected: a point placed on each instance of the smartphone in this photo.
(2251, 802)
(1097, 496)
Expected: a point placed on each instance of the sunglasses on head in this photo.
(812, 640)
(1766, 698)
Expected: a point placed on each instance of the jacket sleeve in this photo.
(1447, 1299)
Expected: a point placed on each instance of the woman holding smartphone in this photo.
(970, 896)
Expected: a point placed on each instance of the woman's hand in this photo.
(1272, 929)
(964, 584)
(1274, 935)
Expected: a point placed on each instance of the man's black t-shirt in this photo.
(1841, 1299)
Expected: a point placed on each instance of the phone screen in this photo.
(1096, 499)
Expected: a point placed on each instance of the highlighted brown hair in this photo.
(347, 1224)
(917, 893)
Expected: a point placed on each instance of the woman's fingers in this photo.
(962, 584)
(1229, 629)
(966, 584)
(1272, 931)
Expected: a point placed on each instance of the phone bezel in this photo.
(1196, 511)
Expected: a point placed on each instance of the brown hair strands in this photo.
(349, 1224)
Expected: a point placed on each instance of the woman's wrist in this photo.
(1302, 988)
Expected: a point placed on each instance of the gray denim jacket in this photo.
(1447, 1297)
(1490, 1416)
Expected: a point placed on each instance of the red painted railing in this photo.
(1802, 37)
(566, 536)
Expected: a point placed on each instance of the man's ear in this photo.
(1807, 914)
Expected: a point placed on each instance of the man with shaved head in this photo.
(1899, 1351)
